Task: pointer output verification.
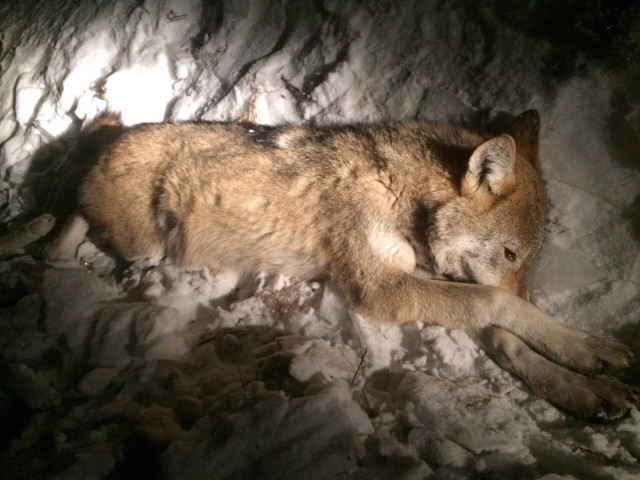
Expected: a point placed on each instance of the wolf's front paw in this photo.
(613, 355)
(593, 354)
(580, 351)
(593, 397)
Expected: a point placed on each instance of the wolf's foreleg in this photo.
(401, 297)
(513, 331)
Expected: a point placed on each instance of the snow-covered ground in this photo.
(126, 371)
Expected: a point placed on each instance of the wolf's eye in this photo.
(510, 255)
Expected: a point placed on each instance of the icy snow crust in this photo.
(114, 371)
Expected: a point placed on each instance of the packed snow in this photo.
(147, 370)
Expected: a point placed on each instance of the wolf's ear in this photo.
(525, 130)
(491, 171)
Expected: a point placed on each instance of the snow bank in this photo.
(315, 436)
(138, 371)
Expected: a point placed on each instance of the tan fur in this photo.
(388, 211)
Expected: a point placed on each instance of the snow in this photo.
(315, 448)
(143, 370)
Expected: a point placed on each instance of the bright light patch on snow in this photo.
(140, 94)
(90, 61)
(149, 370)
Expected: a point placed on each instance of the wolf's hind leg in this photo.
(65, 244)
(24, 235)
(594, 397)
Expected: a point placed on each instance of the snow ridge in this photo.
(152, 371)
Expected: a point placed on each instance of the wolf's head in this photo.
(490, 233)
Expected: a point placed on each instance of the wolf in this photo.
(414, 221)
